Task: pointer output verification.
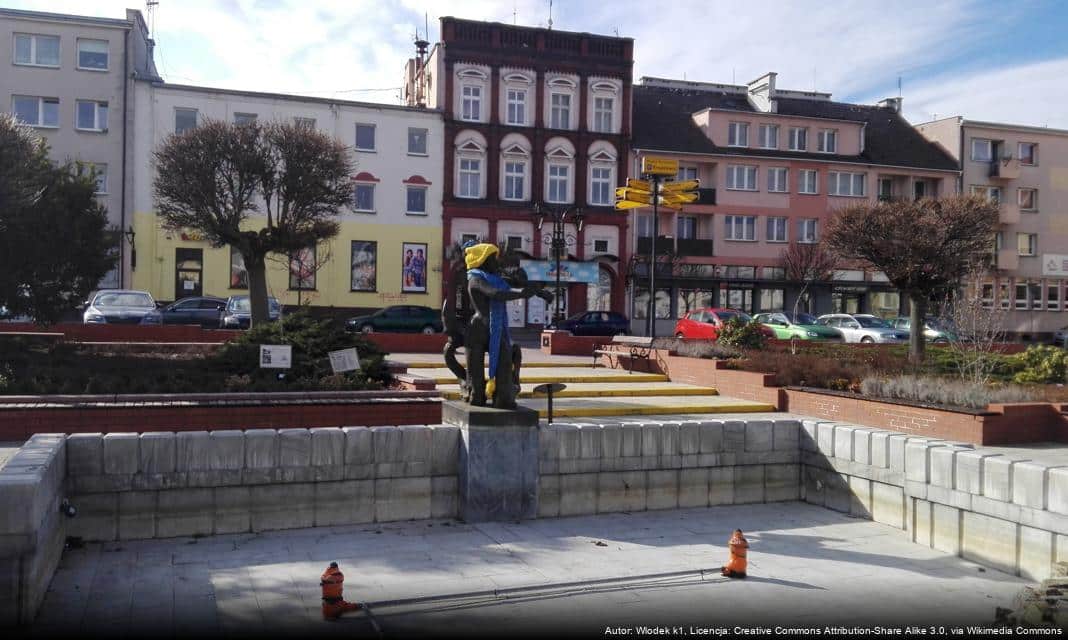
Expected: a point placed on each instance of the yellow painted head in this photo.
(475, 255)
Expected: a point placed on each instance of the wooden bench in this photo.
(635, 347)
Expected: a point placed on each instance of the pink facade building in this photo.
(780, 163)
(1026, 170)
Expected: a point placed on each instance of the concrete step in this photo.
(556, 374)
(652, 405)
(603, 390)
(526, 365)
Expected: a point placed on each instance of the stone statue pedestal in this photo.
(498, 473)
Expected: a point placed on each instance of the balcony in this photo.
(1008, 259)
(664, 244)
(706, 196)
(1005, 169)
(1009, 213)
(695, 247)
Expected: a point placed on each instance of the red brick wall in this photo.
(126, 333)
(408, 342)
(562, 343)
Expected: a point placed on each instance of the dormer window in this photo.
(738, 134)
(827, 142)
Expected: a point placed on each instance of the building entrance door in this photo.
(842, 302)
(188, 273)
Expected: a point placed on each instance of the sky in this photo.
(985, 60)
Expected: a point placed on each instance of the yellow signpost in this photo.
(682, 185)
(652, 166)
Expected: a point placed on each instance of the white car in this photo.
(861, 327)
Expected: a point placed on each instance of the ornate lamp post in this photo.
(559, 240)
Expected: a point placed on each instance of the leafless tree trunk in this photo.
(978, 328)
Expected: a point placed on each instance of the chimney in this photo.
(893, 104)
(762, 92)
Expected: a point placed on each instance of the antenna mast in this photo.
(150, 9)
(550, 14)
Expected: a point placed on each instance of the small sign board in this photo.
(276, 356)
(345, 360)
(659, 166)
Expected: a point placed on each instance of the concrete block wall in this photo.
(1001, 511)
(605, 468)
(32, 530)
(157, 485)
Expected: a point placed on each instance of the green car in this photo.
(936, 331)
(801, 326)
(398, 319)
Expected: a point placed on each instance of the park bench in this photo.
(633, 347)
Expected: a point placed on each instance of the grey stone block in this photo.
(445, 497)
(121, 453)
(1036, 553)
(749, 484)
(1057, 496)
(720, 486)
(590, 441)
(157, 451)
(921, 522)
(578, 494)
(998, 477)
(631, 441)
(294, 447)
(662, 489)
(836, 492)
(282, 506)
(185, 512)
(880, 449)
(548, 496)
(651, 446)
(621, 491)
(233, 510)
(888, 504)
(192, 451)
(733, 436)
(445, 450)
(968, 470)
(782, 482)
(137, 515)
(227, 450)
(897, 442)
(807, 435)
(261, 449)
(689, 438)
(710, 439)
(825, 438)
(693, 488)
(814, 484)
(860, 503)
(945, 528)
(98, 517)
(918, 459)
(670, 455)
(759, 435)
(862, 445)
(843, 441)
(101, 483)
(359, 444)
(498, 475)
(85, 454)
(989, 541)
(568, 442)
(786, 435)
(416, 445)
(1029, 484)
(611, 441)
(327, 447)
(348, 502)
(402, 499)
(944, 466)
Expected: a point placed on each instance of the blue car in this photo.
(595, 323)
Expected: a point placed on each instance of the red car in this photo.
(706, 323)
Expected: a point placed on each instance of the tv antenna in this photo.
(550, 14)
(150, 9)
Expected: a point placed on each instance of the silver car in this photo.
(118, 306)
(861, 327)
(1060, 337)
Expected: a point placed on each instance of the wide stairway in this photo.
(597, 391)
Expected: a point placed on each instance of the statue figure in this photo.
(487, 330)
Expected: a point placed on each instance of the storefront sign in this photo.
(570, 271)
(1054, 265)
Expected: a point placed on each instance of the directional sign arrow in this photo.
(622, 205)
(684, 185)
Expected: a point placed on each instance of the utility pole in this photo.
(651, 314)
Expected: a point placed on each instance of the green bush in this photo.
(1041, 364)
(745, 335)
(942, 391)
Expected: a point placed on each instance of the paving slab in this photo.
(602, 390)
(808, 565)
(642, 406)
(442, 375)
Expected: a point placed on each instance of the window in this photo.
(184, 120)
(365, 137)
(1053, 298)
(768, 136)
(846, 184)
(991, 193)
(1028, 153)
(1026, 243)
(602, 114)
(686, 227)
(244, 118)
(771, 299)
(302, 268)
(468, 237)
(1003, 295)
(661, 307)
(517, 106)
(798, 139)
(417, 141)
(416, 201)
(776, 230)
(1034, 292)
(1027, 199)
(645, 226)
(37, 50)
(774, 273)
(513, 243)
(741, 177)
(100, 175)
(36, 112)
(807, 230)
(1021, 296)
(515, 173)
(470, 178)
(807, 181)
(92, 116)
(601, 186)
(364, 197)
(600, 246)
(827, 141)
(471, 105)
(982, 150)
(686, 173)
(304, 123)
(777, 179)
(561, 111)
(558, 182)
(740, 227)
(986, 299)
(738, 134)
(93, 55)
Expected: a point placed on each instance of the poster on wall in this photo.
(536, 310)
(413, 272)
(364, 265)
(238, 272)
(516, 313)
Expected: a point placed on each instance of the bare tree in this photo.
(263, 189)
(807, 264)
(303, 266)
(923, 246)
(978, 325)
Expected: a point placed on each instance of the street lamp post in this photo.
(558, 240)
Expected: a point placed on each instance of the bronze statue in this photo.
(487, 330)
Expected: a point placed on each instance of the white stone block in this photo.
(749, 484)
(759, 435)
(945, 528)
(989, 541)
(888, 504)
(860, 502)
(693, 488)
(662, 489)
(402, 499)
(896, 451)
(843, 441)
(346, 502)
(921, 522)
(711, 437)
(918, 459)
(880, 449)
(825, 438)
(192, 451)
(1036, 553)
(733, 436)
(85, 454)
(631, 441)
(578, 494)
(1029, 484)
(807, 435)
(327, 447)
(445, 450)
(226, 450)
(943, 465)
(415, 449)
(157, 453)
(720, 486)
(786, 435)
(621, 491)
(282, 506)
(968, 474)
(998, 477)
(689, 438)
(121, 455)
(862, 445)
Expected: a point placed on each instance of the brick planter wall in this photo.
(562, 343)
(125, 333)
(408, 342)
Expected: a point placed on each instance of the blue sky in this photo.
(1004, 61)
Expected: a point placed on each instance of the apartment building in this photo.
(1024, 169)
(390, 241)
(774, 164)
(533, 117)
(70, 78)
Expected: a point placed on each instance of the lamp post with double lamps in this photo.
(559, 240)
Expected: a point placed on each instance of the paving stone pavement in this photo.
(808, 565)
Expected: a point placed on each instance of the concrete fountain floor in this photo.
(579, 575)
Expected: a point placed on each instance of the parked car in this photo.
(935, 330)
(238, 312)
(203, 310)
(7, 316)
(402, 318)
(861, 327)
(118, 306)
(595, 323)
(787, 325)
(1060, 337)
(707, 323)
